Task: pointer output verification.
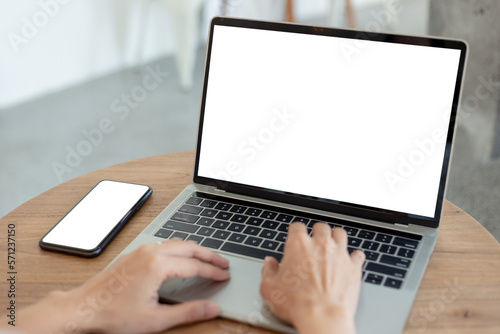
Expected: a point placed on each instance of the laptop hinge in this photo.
(402, 225)
(219, 190)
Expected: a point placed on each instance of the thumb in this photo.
(270, 267)
(196, 310)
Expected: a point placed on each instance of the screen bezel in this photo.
(333, 206)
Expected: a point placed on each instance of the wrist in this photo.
(318, 318)
(56, 313)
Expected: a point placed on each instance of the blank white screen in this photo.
(355, 111)
(89, 222)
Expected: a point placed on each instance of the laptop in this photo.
(306, 123)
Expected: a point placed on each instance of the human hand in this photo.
(123, 298)
(316, 286)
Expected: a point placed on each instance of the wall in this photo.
(480, 94)
(47, 45)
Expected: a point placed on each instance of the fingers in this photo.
(340, 237)
(179, 266)
(191, 249)
(296, 228)
(358, 258)
(269, 272)
(270, 267)
(197, 310)
(321, 230)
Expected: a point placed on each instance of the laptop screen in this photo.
(359, 122)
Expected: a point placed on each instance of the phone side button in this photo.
(162, 233)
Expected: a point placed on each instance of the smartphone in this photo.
(93, 222)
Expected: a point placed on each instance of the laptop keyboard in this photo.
(257, 231)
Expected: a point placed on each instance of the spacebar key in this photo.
(249, 251)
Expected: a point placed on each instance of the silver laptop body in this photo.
(349, 127)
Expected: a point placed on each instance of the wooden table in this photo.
(460, 292)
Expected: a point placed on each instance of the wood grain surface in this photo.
(460, 292)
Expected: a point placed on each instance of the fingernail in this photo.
(212, 310)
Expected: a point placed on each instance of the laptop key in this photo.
(205, 221)
(208, 213)
(249, 251)
(284, 218)
(370, 245)
(238, 209)
(351, 231)
(268, 234)
(212, 243)
(205, 231)
(208, 203)
(254, 221)
(406, 253)
(253, 212)
(268, 215)
(301, 220)
(283, 227)
(220, 224)
(221, 234)
(224, 215)
(355, 242)
(379, 268)
(173, 225)
(194, 210)
(236, 227)
(162, 233)
(405, 243)
(270, 224)
(383, 238)
(239, 218)
(271, 245)
(223, 206)
(395, 261)
(194, 200)
(374, 279)
(372, 256)
(281, 248)
(281, 237)
(195, 238)
(179, 235)
(312, 222)
(253, 241)
(366, 234)
(388, 249)
(184, 217)
(236, 237)
(252, 230)
(393, 283)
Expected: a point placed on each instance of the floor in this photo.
(46, 141)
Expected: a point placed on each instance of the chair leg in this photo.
(351, 16)
(289, 15)
(339, 9)
(185, 17)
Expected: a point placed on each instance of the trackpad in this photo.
(238, 297)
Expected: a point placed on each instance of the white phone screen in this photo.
(96, 215)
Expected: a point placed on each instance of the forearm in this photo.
(318, 320)
(55, 314)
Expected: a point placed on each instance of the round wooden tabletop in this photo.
(460, 291)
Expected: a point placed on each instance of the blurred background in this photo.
(89, 84)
